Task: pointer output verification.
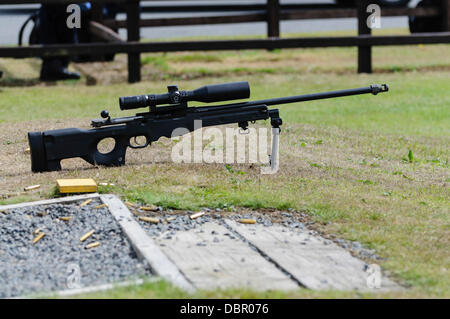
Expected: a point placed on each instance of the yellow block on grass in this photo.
(76, 185)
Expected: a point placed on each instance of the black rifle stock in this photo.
(48, 148)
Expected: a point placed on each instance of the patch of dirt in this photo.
(341, 155)
(104, 72)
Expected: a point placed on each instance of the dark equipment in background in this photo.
(52, 29)
(425, 24)
(83, 35)
(167, 112)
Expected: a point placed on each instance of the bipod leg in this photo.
(274, 158)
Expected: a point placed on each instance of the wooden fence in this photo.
(272, 13)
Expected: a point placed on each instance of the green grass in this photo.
(162, 289)
(429, 103)
(375, 167)
(158, 289)
(426, 110)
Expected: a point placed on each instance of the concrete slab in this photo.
(211, 259)
(315, 262)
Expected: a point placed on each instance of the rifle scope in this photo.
(207, 94)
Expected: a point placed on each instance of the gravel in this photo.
(183, 221)
(51, 263)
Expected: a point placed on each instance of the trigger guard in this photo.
(147, 143)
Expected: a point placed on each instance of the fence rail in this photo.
(222, 45)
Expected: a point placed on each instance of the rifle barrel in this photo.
(374, 89)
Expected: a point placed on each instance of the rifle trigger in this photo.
(136, 144)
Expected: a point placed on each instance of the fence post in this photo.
(133, 22)
(273, 18)
(364, 52)
(445, 15)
